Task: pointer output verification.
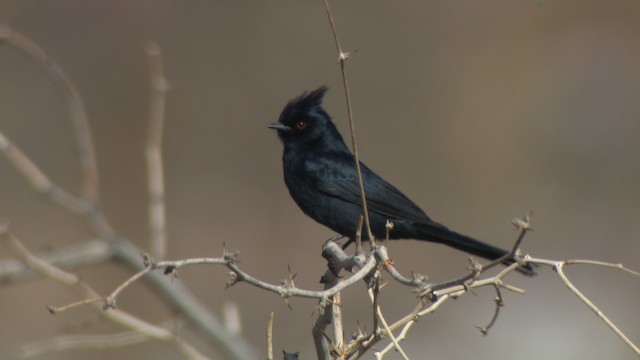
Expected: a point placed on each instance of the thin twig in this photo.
(338, 331)
(378, 318)
(374, 292)
(38, 180)
(87, 253)
(82, 342)
(76, 108)
(180, 297)
(288, 291)
(175, 293)
(417, 280)
(618, 266)
(270, 337)
(401, 336)
(523, 224)
(117, 316)
(359, 236)
(155, 173)
(342, 57)
(596, 310)
(58, 309)
(499, 304)
(394, 340)
(325, 309)
(111, 299)
(559, 267)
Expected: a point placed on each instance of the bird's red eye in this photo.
(301, 124)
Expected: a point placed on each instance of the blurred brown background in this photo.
(479, 111)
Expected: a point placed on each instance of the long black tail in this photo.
(465, 243)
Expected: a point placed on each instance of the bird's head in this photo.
(304, 120)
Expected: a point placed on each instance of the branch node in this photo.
(147, 260)
(231, 280)
(109, 303)
(523, 223)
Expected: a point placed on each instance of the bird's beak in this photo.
(279, 126)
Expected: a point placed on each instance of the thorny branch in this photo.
(430, 297)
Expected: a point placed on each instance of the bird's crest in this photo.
(303, 103)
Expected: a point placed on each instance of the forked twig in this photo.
(558, 266)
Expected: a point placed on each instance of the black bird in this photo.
(319, 171)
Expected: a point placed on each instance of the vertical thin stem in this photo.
(157, 208)
(270, 337)
(338, 331)
(342, 58)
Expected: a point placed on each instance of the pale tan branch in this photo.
(84, 254)
(394, 341)
(78, 114)
(155, 172)
(270, 337)
(117, 316)
(82, 342)
(342, 58)
(559, 267)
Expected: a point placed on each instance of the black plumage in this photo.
(319, 171)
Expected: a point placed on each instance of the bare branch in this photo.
(157, 207)
(84, 254)
(338, 330)
(416, 280)
(42, 184)
(558, 266)
(270, 337)
(499, 304)
(321, 342)
(342, 57)
(83, 342)
(286, 291)
(175, 293)
(78, 114)
(38, 180)
(117, 316)
(604, 264)
(110, 301)
(379, 318)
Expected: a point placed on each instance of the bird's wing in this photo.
(338, 178)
